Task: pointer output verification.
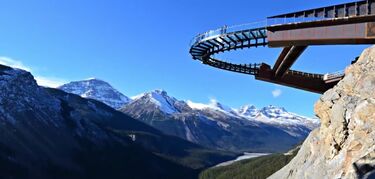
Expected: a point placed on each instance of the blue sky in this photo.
(139, 45)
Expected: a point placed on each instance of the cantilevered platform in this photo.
(350, 23)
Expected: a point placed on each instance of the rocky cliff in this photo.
(344, 145)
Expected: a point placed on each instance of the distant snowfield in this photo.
(242, 157)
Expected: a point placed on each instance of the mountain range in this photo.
(213, 125)
(48, 133)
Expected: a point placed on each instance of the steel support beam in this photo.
(289, 59)
(360, 33)
(282, 56)
(231, 39)
(228, 43)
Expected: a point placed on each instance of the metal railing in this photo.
(286, 21)
(225, 30)
(300, 73)
(340, 11)
(330, 76)
(241, 68)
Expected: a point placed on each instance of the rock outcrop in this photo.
(344, 145)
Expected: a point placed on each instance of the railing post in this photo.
(356, 9)
(284, 19)
(334, 11)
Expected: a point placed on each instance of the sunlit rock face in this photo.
(344, 145)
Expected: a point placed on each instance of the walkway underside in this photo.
(296, 79)
(292, 78)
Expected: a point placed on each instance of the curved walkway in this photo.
(205, 45)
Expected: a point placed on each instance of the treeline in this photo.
(255, 168)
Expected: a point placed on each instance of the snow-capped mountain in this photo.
(248, 111)
(276, 115)
(213, 105)
(291, 123)
(219, 126)
(97, 89)
(158, 98)
(269, 114)
(214, 125)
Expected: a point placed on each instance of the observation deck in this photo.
(343, 24)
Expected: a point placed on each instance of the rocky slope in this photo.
(97, 89)
(344, 145)
(47, 133)
(270, 129)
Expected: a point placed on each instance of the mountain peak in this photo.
(97, 89)
(151, 94)
(160, 92)
(273, 109)
(213, 105)
(94, 79)
(248, 110)
(216, 104)
(247, 107)
(159, 98)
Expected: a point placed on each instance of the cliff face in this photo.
(344, 145)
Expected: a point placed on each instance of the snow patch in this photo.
(189, 135)
(213, 105)
(163, 104)
(198, 106)
(161, 99)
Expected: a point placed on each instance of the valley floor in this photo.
(258, 167)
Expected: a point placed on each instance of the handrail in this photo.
(251, 69)
(225, 30)
(312, 75)
(287, 21)
(295, 20)
(333, 75)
